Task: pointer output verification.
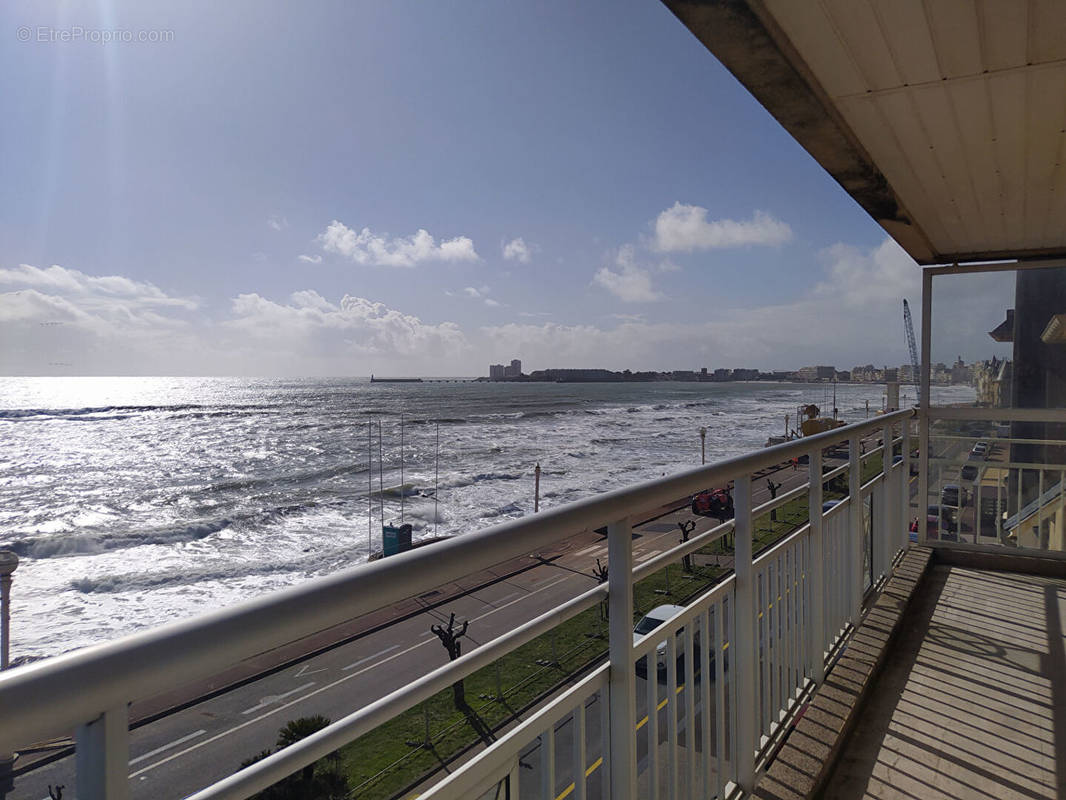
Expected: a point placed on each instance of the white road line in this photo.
(503, 599)
(304, 671)
(647, 555)
(271, 699)
(175, 743)
(319, 690)
(370, 658)
(588, 549)
(520, 599)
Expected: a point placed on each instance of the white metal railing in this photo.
(771, 625)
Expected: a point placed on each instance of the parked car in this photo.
(648, 623)
(948, 519)
(829, 504)
(953, 495)
(714, 503)
(968, 472)
(980, 450)
(944, 531)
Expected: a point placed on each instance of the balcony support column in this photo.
(855, 531)
(923, 407)
(816, 572)
(904, 497)
(887, 543)
(747, 658)
(623, 679)
(103, 756)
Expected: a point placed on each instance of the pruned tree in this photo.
(450, 637)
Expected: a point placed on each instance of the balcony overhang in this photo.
(944, 121)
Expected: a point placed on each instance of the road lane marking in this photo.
(159, 750)
(503, 599)
(273, 698)
(647, 555)
(369, 658)
(523, 597)
(303, 671)
(588, 549)
(319, 690)
(595, 765)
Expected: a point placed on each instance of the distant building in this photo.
(819, 373)
(721, 374)
(497, 372)
(513, 370)
(891, 374)
(744, 374)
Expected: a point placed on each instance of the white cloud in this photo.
(277, 222)
(112, 325)
(316, 259)
(366, 247)
(630, 283)
(478, 293)
(685, 228)
(517, 250)
(852, 315)
(311, 325)
(668, 266)
(92, 290)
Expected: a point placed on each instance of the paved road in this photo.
(188, 749)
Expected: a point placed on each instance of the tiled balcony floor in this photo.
(972, 700)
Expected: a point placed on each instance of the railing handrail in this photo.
(51, 697)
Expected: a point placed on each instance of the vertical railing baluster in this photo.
(816, 573)
(689, 682)
(708, 646)
(721, 715)
(513, 778)
(651, 769)
(622, 675)
(103, 756)
(672, 705)
(888, 538)
(855, 532)
(903, 498)
(579, 751)
(605, 738)
(744, 639)
(547, 764)
(762, 649)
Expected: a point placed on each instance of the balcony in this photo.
(755, 644)
(734, 702)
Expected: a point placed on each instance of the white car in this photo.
(649, 622)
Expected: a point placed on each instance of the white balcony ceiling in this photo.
(945, 119)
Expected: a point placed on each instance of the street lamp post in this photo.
(536, 489)
(703, 445)
(8, 562)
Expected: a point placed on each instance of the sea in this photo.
(132, 502)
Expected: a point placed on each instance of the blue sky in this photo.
(159, 197)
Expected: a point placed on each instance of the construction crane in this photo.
(908, 325)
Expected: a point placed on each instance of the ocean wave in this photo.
(30, 413)
(63, 545)
(297, 478)
(481, 477)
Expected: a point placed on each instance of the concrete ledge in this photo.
(805, 759)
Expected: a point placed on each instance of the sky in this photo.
(416, 188)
